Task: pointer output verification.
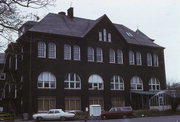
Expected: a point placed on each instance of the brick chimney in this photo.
(70, 12)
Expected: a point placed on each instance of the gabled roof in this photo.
(79, 27)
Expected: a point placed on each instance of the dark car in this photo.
(117, 112)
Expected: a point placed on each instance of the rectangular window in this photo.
(2, 76)
(67, 52)
(45, 103)
(76, 53)
(105, 35)
(90, 54)
(109, 37)
(149, 59)
(97, 100)
(100, 36)
(99, 55)
(118, 101)
(131, 58)
(156, 60)
(72, 103)
(41, 49)
(111, 56)
(138, 58)
(51, 50)
(16, 62)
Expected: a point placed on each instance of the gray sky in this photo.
(159, 19)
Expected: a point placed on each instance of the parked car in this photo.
(117, 112)
(53, 114)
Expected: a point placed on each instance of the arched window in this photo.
(131, 58)
(76, 52)
(99, 55)
(90, 54)
(154, 84)
(149, 59)
(138, 58)
(95, 82)
(156, 60)
(51, 50)
(117, 83)
(111, 56)
(72, 81)
(67, 52)
(136, 83)
(119, 57)
(41, 50)
(46, 80)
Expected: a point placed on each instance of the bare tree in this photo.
(11, 18)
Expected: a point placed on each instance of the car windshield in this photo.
(126, 108)
(50, 112)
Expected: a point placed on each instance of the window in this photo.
(41, 50)
(46, 80)
(117, 83)
(109, 37)
(138, 58)
(2, 76)
(76, 53)
(100, 36)
(154, 84)
(67, 52)
(119, 57)
(156, 60)
(149, 59)
(111, 56)
(52, 50)
(136, 83)
(72, 81)
(105, 35)
(95, 82)
(96, 101)
(90, 54)
(131, 58)
(45, 103)
(16, 62)
(72, 103)
(99, 55)
(129, 34)
(118, 101)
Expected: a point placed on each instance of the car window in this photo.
(57, 112)
(118, 109)
(126, 108)
(112, 109)
(51, 112)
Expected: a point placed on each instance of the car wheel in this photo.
(62, 118)
(103, 117)
(39, 118)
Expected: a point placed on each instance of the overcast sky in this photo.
(159, 19)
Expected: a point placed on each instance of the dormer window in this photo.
(129, 34)
(104, 36)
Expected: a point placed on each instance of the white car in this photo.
(53, 114)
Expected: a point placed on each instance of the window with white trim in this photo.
(41, 50)
(99, 55)
(67, 52)
(72, 81)
(46, 80)
(149, 59)
(97, 101)
(136, 83)
(117, 83)
(90, 54)
(156, 60)
(154, 84)
(109, 37)
(52, 50)
(76, 53)
(95, 82)
(105, 35)
(131, 58)
(111, 56)
(100, 36)
(138, 58)
(119, 57)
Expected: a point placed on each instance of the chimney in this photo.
(70, 12)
